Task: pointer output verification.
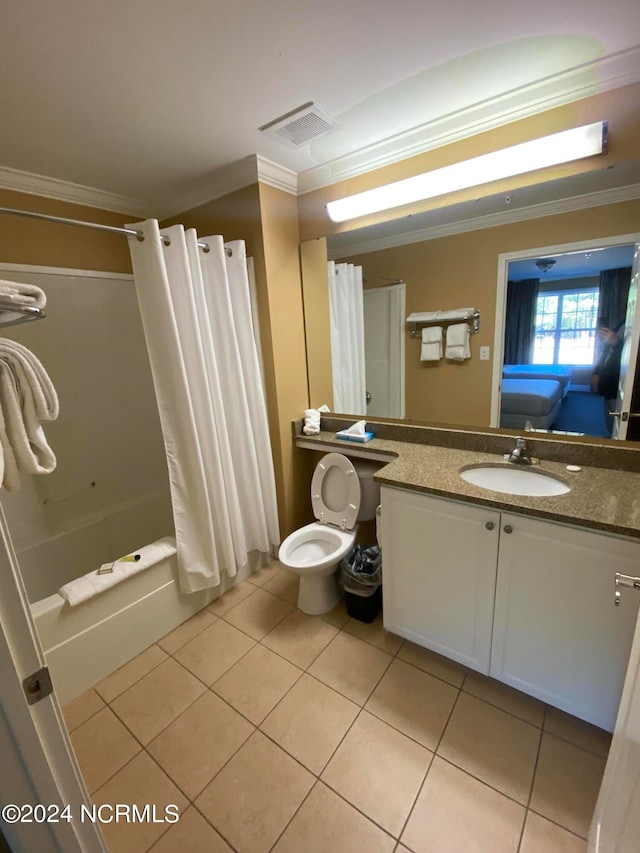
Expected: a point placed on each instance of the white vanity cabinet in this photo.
(529, 602)
(439, 574)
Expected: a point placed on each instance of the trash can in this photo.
(361, 572)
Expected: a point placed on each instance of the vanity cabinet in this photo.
(527, 601)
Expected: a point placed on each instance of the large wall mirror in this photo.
(586, 258)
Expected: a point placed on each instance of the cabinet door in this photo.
(439, 569)
(557, 634)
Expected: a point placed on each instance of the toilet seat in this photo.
(335, 492)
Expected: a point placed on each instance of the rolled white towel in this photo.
(23, 294)
(311, 422)
(32, 377)
(92, 584)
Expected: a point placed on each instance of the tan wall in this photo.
(266, 219)
(461, 270)
(620, 107)
(313, 261)
(27, 241)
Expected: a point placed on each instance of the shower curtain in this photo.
(196, 314)
(347, 338)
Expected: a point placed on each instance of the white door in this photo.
(629, 358)
(384, 350)
(38, 764)
(616, 822)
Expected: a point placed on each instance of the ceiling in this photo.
(147, 101)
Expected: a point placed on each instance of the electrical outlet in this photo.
(485, 353)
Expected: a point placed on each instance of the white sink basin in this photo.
(513, 480)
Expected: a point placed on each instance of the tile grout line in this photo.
(533, 780)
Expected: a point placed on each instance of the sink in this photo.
(514, 481)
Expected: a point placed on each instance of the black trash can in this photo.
(361, 572)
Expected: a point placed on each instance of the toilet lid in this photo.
(335, 491)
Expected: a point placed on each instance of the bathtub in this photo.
(85, 643)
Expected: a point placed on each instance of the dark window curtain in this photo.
(520, 321)
(612, 303)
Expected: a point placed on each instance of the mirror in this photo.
(446, 272)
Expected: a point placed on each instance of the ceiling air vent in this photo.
(301, 125)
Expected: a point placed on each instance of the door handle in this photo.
(624, 580)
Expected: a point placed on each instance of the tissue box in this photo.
(360, 439)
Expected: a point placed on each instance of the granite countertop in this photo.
(600, 498)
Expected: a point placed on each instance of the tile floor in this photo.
(273, 730)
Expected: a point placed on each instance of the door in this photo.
(439, 574)
(39, 767)
(384, 350)
(629, 358)
(616, 822)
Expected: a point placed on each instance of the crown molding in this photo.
(610, 72)
(33, 184)
(277, 176)
(491, 220)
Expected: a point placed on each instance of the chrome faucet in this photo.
(520, 455)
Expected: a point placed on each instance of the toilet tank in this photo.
(369, 489)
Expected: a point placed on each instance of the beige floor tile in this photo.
(542, 836)
(231, 597)
(434, 664)
(300, 638)
(116, 683)
(265, 573)
(375, 634)
(140, 782)
(379, 771)
(577, 732)
(456, 812)
(102, 746)
(310, 722)
(566, 786)
(326, 824)
(258, 613)
(414, 702)
(192, 834)
(351, 667)
(255, 795)
(285, 585)
(81, 708)
(199, 743)
(187, 631)
(256, 684)
(338, 616)
(214, 651)
(494, 746)
(505, 697)
(156, 700)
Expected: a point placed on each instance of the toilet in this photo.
(343, 492)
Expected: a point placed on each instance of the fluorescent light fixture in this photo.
(550, 150)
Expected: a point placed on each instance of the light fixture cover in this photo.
(539, 153)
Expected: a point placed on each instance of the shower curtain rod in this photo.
(61, 220)
(382, 278)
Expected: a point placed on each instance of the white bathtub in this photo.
(85, 643)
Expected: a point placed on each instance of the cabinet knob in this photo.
(508, 528)
(489, 525)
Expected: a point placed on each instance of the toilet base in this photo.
(318, 594)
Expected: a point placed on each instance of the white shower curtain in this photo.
(196, 314)
(347, 338)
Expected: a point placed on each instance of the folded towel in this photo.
(92, 584)
(22, 294)
(431, 344)
(456, 314)
(32, 378)
(9, 473)
(458, 348)
(423, 317)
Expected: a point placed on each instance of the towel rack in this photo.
(415, 322)
(12, 313)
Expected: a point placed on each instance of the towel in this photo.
(92, 584)
(22, 294)
(27, 396)
(431, 344)
(456, 314)
(423, 317)
(312, 420)
(458, 348)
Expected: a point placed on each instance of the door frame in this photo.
(501, 297)
(401, 288)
